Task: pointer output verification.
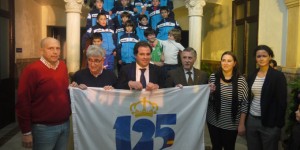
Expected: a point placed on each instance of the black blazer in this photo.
(273, 98)
(128, 73)
(177, 76)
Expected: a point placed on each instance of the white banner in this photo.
(170, 118)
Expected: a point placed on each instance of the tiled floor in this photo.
(14, 143)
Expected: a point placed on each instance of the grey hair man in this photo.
(186, 74)
(95, 75)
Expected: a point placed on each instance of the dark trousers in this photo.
(295, 138)
(221, 138)
(260, 137)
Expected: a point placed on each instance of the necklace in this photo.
(225, 80)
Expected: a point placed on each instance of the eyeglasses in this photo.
(96, 61)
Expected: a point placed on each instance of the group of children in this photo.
(123, 24)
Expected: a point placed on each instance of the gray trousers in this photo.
(260, 137)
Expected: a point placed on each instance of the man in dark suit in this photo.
(141, 74)
(186, 74)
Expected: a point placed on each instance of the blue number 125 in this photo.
(148, 129)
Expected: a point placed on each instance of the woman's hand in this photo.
(241, 129)
(212, 87)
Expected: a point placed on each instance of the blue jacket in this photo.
(108, 36)
(168, 3)
(120, 30)
(164, 26)
(118, 10)
(109, 4)
(154, 16)
(92, 17)
(139, 4)
(140, 31)
(125, 47)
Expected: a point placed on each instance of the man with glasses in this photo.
(94, 75)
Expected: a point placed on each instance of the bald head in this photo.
(48, 39)
(50, 48)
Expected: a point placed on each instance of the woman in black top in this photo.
(268, 100)
(228, 105)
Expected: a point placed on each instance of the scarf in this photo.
(217, 95)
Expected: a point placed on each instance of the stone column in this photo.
(293, 35)
(195, 8)
(73, 10)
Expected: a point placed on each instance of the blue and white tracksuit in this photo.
(164, 26)
(120, 30)
(140, 29)
(168, 3)
(125, 47)
(154, 15)
(109, 4)
(92, 17)
(139, 4)
(118, 10)
(108, 43)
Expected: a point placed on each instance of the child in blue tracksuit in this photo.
(126, 44)
(108, 43)
(167, 3)
(125, 16)
(166, 24)
(92, 15)
(92, 20)
(141, 5)
(123, 7)
(142, 26)
(154, 13)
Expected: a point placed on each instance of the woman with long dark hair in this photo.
(227, 107)
(268, 101)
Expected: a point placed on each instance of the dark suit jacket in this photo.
(177, 76)
(128, 74)
(273, 101)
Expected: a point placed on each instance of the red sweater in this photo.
(43, 96)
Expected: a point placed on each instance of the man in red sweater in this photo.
(43, 105)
